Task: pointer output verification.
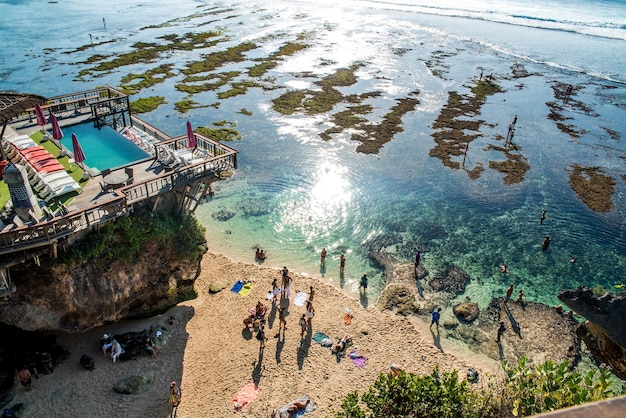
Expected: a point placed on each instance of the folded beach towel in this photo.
(356, 359)
(319, 337)
(310, 407)
(245, 395)
(237, 286)
(245, 290)
(300, 299)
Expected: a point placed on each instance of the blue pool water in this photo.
(104, 147)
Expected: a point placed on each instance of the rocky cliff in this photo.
(603, 332)
(80, 296)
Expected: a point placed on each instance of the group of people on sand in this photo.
(41, 363)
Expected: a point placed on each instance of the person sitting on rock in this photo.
(116, 350)
(106, 342)
(152, 347)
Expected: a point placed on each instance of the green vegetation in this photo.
(124, 238)
(219, 134)
(185, 105)
(130, 85)
(219, 58)
(237, 89)
(245, 111)
(525, 391)
(147, 104)
(221, 80)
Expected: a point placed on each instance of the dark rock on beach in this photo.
(133, 384)
(466, 312)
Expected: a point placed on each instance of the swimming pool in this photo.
(104, 147)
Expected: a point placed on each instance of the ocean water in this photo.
(294, 193)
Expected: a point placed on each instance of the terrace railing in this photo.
(219, 158)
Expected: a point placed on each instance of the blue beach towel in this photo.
(237, 286)
(319, 337)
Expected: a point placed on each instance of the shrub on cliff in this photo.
(123, 239)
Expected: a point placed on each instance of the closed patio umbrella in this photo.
(41, 118)
(57, 133)
(191, 137)
(79, 155)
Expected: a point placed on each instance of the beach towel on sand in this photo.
(245, 395)
(356, 359)
(245, 290)
(310, 407)
(319, 337)
(237, 286)
(300, 299)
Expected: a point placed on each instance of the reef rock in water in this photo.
(603, 332)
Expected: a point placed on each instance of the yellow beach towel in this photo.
(245, 290)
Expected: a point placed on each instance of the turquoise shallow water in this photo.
(294, 193)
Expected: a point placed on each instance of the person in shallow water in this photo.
(546, 243)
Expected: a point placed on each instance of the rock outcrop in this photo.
(54, 296)
(466, 312)
(603, 332)
(453, 280)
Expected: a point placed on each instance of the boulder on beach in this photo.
(466, 312)
(217, 286)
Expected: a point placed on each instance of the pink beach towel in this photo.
(245, 395)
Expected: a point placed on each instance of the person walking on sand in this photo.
(501, 329)
(342, 263)
(323, 256)
(174, 398)
(282, 322)
(261, 337)
(310, 311)
(435, 315)
(520, 295)
(303, 325)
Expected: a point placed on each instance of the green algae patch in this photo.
(185, 105)
(147, 104)
(514, 167)
(245, 111)
(271, 61)
(133, 83)
(217, 59)
(217, 81)
(593, 187)
(219, 134)
(144, 52)
(237, 89)
(454, 131)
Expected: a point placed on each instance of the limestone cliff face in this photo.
(57, 297)
(604, 332)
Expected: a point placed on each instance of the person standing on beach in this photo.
(323, 256)
(311, 293)
(418, 256)
(286, 282)
(342, 263)
(303, 325)
(282, 322)
(261, 337)
(520, 295)
(501, 329)
(174, 398)
(310, 311)
(435, 315)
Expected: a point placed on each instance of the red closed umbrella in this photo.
(79, 155)
(191, 137)
(57, 133)
(41, 118)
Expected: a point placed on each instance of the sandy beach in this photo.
(210, 354)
